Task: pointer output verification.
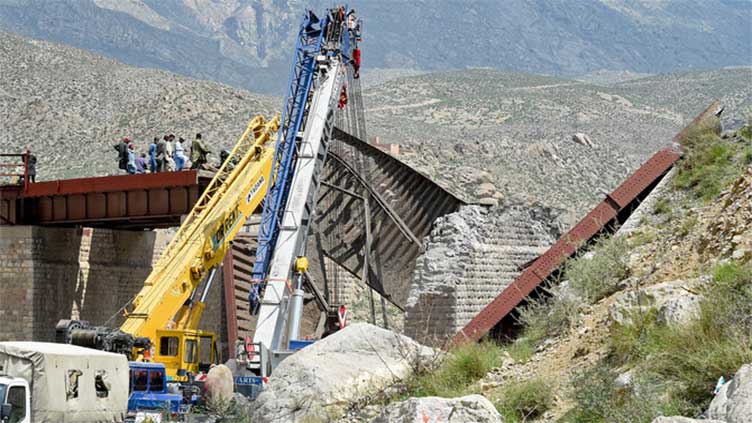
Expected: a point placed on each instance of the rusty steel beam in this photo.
(142, 201)
(231, 311)
(379, 200)
(619, 204)
(103, 184)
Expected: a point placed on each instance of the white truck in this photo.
(47, 382)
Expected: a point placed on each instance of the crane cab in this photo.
(185, 352)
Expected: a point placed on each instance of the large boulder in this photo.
(677, 302)
(470, 408)
(219, 387)
(321, 381)
(733, 403)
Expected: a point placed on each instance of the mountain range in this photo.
(249, 43)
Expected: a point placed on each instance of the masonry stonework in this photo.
(470, 257)
(48, 274)
(38, 273)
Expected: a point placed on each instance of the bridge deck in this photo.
(142, 201)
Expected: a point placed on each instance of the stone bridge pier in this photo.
(51, 273)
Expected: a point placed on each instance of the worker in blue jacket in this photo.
(153, 155)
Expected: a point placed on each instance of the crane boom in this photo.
(299, 208)
(202, 240)
(323, 52)
(163, 318)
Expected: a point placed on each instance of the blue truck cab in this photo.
(148, 389)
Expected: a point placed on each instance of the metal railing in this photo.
(24, 163)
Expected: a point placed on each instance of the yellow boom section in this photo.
(203, 238)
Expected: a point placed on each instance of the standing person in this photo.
(122, 149)
(198, 152)
(130, 165)
(161, 153)
(179, 154)
(153, 155)
(31, 167)
(356, 63)
(141, 163)
(169, 153)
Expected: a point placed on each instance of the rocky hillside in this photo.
(247, 43)
(647, 322)
(490, 133)
(650, 325)
(71, 106)
(465, 127)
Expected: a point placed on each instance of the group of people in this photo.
(164, 155)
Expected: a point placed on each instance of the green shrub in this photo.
(598, 399)
(690, 358)
(548, 317)
(526, 400)
(747, 156)
(463, 366)
(521, 349)
(644, 235)
(746, 131)
(686, 225)
(598, 276)
(628, 342)
(662, 206)
(708, 165)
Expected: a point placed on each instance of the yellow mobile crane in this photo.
(161, 323)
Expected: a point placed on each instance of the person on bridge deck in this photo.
(356, 63)
(153, 155)
(169, 152)
(198, 152)
(161, 152)
(122, 149)
(130, 166)
(179, 154)
(31, 167)
(141, 163)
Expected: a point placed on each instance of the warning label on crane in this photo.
(254, 190)
(225, 228)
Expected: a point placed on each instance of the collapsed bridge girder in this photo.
(400, 203)
(613, 210)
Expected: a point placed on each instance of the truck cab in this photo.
(148, 389)
(15, 398)
(184, 351)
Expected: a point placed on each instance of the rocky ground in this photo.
(671, 252)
